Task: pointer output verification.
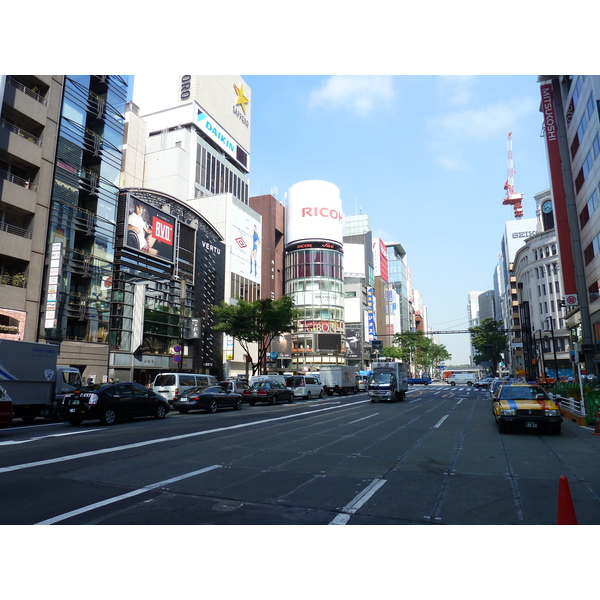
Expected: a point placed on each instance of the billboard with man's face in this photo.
(149, 230)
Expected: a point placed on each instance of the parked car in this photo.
(6, 408)
(234, 385)
(495, 384)
(169, 385)
(268, 390)
(305, 386)
(525, 405)
(484, 383)
(209, 399)
(362, 383)
(110, 402)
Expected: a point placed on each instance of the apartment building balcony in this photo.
(27, 95)
(17, 192)
(15, 242)
(21, 143)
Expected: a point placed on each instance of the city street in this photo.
(435, 459)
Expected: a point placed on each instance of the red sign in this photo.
(558, 191)
(162, 231)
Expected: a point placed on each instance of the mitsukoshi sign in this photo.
(314, 212)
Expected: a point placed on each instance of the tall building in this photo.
(30, 108)
(358, 289)
(80, 247)
(200, 144)
(570, 108)
(314, 273)
(545, 340)
(515, 234)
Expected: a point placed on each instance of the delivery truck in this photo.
(338, 379)
(389, 381)
(36, 385)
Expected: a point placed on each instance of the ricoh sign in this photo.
(314, 211)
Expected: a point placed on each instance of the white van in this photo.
(280, 378)
(468, 378)
(305, 386)
(169, 385)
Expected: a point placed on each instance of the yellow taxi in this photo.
(527, 406)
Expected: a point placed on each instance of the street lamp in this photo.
(553, 346)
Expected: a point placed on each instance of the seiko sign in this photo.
(523, 234)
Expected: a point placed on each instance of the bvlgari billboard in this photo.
(314, 212)
(149, 230)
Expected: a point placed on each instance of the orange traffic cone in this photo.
(566, 510)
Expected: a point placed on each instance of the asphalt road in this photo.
(434, 459)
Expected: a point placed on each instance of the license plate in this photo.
(531, 424)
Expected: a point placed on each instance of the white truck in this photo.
(458, 377)
(338, 379)
(36, 385)
(389, 381)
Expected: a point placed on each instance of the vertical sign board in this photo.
(53, 283)
(558, 192)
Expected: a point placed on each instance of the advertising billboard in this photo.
(314, 212)
(246, 252)
(380, 259)
(149, 230)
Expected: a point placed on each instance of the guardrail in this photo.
(21, 132)
(24, 233)
(24, 183)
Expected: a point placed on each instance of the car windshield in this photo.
(381, 377)
(522, 393)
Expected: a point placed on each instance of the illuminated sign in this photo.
(149, 230)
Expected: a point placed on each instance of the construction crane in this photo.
(513, 199)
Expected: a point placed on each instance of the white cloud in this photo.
(485, 122)
(456, 89)
(360, 93)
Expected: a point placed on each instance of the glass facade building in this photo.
(83, 206)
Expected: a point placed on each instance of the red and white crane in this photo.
(512, 198)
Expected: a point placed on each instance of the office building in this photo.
(30, 108)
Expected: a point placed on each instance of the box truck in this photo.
(389, 381)
(36, 385)
(338, 379)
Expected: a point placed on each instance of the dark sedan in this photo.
(209, 399)
(110, 402)
(271, 391)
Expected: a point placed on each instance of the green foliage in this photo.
(256, 322)
(415, 348)
(489, 340)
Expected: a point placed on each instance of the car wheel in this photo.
(183, 411)
(251, 402)
(501, 427)
(160, 412)
(74, 421)
(321, 394)
(291, 398)
(452, 383)
(109, 417)
(308, 396)
(469, 383)
(212, 407)
(556, 429)
(239, 404)
(272, 400)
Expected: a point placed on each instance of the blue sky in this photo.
(424, 156)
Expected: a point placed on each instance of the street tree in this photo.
(257, 322)
(415, 348)
(489, 341)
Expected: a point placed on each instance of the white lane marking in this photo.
(357, 420)
(146, 488)
(45, 437)
(441, 421)
(184, 436)
(357, 502)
